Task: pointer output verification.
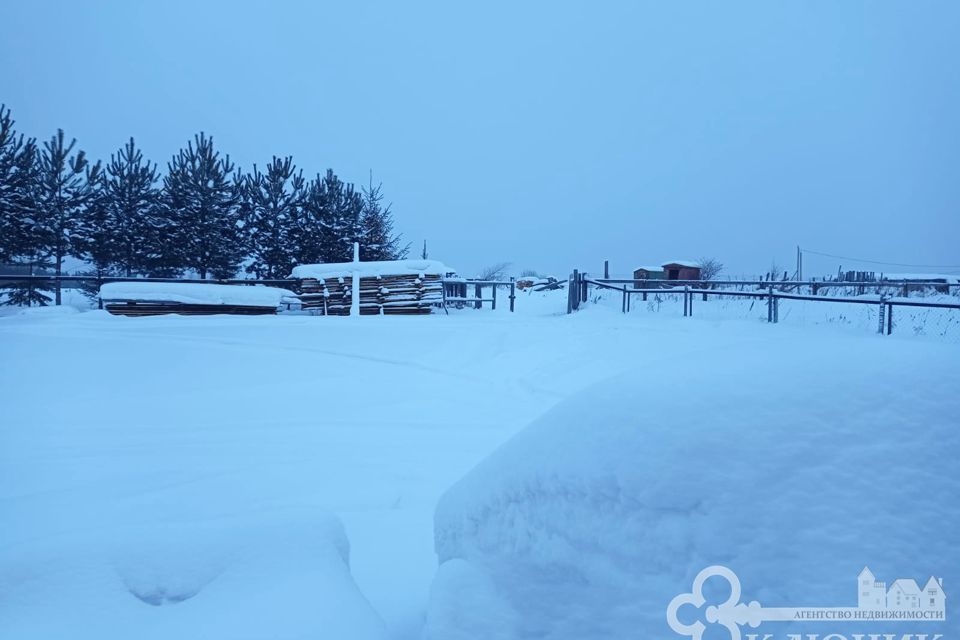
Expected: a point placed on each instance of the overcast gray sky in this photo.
(550, 135)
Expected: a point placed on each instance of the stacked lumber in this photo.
(135, 308)
(131, 298)
(380, 294)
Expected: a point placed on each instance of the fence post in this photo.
(513, 292)
(575, 290)
(690, 297)
(770, 303)
(623, 302)
(881, 315)
(494, 303)
(584, 288)
(889, 318)
(684, 302)
(478, 292)
(606, 269)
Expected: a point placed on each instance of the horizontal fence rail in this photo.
(455, 292)
(771, 291)
(12, 280)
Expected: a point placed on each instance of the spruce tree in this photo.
(376, 223)
(200, 200)
(19, 244)
(65, 188)
(124, 224)
(272, 203)
(329, 223)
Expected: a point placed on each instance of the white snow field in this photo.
(277, 476)
(795, 464)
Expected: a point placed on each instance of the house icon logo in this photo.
(903, 595)
(902, 601)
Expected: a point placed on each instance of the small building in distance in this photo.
(648, 273)
(681, 270)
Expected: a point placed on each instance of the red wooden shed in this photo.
(681, 270)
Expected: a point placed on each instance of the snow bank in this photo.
(794, 467)
(371, 269)
(194, 293)
(282, 576)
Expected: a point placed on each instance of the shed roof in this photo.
(682, 263)
(649, 268)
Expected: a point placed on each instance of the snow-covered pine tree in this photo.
(378, 241)
(123, 227)
(329, 221)
(19, 246)
(202, 229)
(271, 203)
(64, 190)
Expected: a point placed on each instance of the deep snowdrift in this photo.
(793, 466)
(281, 575)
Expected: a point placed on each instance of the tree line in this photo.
(202, 216)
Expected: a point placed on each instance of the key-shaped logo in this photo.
(911, 604)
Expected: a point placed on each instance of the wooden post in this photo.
(494, 303)
(513, 292)
(606, 269)
(623, 302)
(770, 304)
(889, 318)
(478, 293)
(689, 295)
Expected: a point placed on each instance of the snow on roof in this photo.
(194, 293)
(921, 276)
(683, 263)
(371, 269)
(649, 268)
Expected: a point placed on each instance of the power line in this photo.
(888, 264)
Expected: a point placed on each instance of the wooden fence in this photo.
(770, 291)
(455, 292)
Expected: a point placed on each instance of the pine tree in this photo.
(272, 204)
(65, 188)
(329, 221)
(122, 231)
(19, 245)
(202, 229)
(376, 222)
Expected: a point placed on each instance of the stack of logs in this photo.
(409, 294)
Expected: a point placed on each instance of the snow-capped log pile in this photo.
(386, 287)
(795, 470)
(184, 298)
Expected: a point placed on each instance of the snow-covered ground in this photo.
(207, 463)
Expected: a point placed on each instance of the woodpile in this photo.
(135, 308)
(143, 298)
(404, 294)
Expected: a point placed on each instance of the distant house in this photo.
(648, 273)
(681, 270)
